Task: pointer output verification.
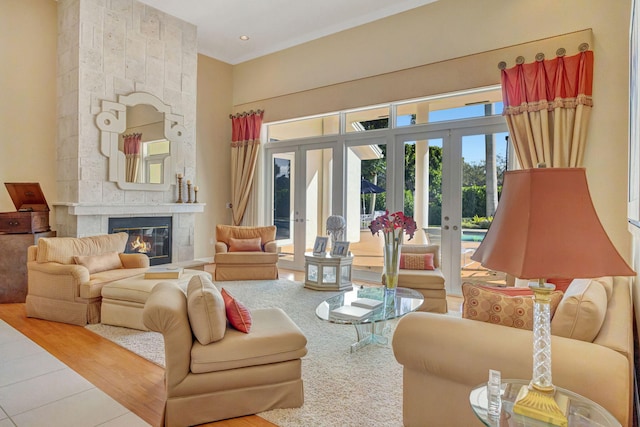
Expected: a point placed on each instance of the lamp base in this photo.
(542, 405)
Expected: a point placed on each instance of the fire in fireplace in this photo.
(147, 235)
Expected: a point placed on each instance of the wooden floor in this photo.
(111, 368)
(108, 366)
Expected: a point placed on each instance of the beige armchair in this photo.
(66, 275)
(430, 283)
(236, 374)
(246, 253)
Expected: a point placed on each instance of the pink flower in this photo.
(388, 223)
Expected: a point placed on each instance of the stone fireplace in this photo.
(107, 50)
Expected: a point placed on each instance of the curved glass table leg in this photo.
(370, 333)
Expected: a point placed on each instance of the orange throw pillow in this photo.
(493, 306)
(238, 315)
(245, 245)
(416, 261)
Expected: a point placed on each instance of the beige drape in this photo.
(547, 105)
(245, 145)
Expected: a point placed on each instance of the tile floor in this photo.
(37, 389)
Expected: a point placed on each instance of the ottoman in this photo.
(123, 300)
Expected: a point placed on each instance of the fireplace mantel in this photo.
(80, 209)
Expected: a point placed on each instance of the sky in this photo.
(473, 148)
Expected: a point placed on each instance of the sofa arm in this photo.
(271, 247)
(462, 351)
(134, 260)
(56, 281)
(166, 312)
(78, 272)
(221, 247)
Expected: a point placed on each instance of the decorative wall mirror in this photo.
(139, 135)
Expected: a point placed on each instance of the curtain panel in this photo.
(132, 148)
(547, 105)
(245, 144)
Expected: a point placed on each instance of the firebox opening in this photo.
(147, 235)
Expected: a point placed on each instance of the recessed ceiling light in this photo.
(244, 38)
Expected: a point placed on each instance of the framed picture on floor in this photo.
(340, 249)
(320, 247)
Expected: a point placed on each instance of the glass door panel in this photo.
(283, 202)
(318, 195)
(423, 189)
(365, 198)
(484, 161)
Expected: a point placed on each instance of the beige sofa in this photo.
(444, 357)
(232, 374)
(246, 265)
(66, 275)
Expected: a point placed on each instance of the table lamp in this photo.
(546, 227)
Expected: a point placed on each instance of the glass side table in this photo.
(582, 411)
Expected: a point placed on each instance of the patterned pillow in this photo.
(238, 315)
(492, 306)
(417, 261)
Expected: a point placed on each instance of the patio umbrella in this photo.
(367, 187)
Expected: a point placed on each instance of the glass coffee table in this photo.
(582, 412)
(372, 328)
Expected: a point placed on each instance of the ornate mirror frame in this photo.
(112, 122)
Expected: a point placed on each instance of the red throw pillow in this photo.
(238, 315)
(245, 245)
(417, 261)
(509, 290)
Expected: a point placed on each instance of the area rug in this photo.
(340, 388)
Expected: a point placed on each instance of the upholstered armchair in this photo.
(66, 275)
(246, 253)
(420, 270)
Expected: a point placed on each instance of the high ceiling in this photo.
(273, 25)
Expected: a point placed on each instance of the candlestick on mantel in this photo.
(189, 191)
(179, 188)
(195, 194)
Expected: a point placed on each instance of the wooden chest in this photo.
(33, 212)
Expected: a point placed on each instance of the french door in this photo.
(301, 188)
(447, 177)
(449, 183)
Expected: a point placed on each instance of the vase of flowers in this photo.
(393, 227)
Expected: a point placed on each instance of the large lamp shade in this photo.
(546, 227)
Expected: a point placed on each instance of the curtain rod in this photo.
(540, 56)
(245, 113)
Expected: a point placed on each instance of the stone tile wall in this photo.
(108, 48)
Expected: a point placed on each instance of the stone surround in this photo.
(108, 48)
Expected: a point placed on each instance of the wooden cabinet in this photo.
(13, 264)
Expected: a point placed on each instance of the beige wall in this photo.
(28, 103)
(213, 135)
(452, 45)
(448, 45)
